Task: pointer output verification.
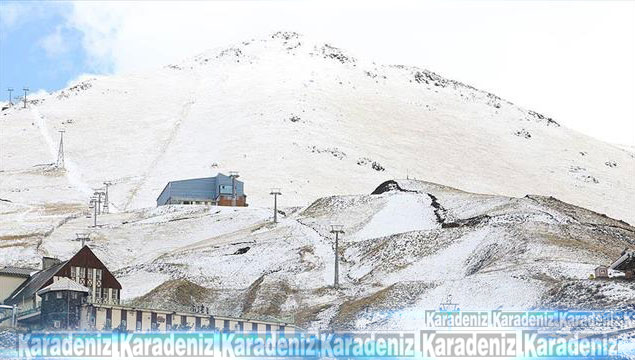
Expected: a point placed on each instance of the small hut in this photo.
(602, 272)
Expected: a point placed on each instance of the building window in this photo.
(139, 317)
(46, 296)
(82, 272)
(57, 324)
(73, 272)
(98, 293)
(58, 294)
(115, 294)
(74, 295)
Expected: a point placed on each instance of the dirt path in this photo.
(185, 111)
(71, 173)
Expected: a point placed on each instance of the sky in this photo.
(573, 61)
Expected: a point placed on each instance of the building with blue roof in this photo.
(220, 190)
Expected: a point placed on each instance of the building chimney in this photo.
(48, 262)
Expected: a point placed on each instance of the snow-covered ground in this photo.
(287, 111)
(405, 248)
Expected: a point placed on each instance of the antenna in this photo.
(106, 209)
(337, 230)
(234, 175)
(10, 90)
(26, 89)
(275, 192)
(60, 152)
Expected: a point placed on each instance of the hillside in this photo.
(407, 247)
(287, 111)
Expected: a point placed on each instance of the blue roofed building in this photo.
(220, 190)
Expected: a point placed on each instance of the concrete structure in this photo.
(602, 272)
(131, 319)
(61, 304)
(625, 264)
(11, 278)
(217, 190)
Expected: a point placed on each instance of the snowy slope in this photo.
(405, 248)
(286, 111)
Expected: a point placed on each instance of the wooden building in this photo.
(83, 268)
(82, 294)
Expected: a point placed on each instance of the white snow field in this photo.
(287, 111)
(487, 252)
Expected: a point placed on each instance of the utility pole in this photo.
(337, 230)
(10, 90)
(83, 238)
(60, 152)
(26, 89)
(234, 175)
(106, 208)
(275, 192)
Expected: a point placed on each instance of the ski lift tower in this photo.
(275, 192)
(60, 152)
(83, 238)
(93, 206)
(448, 305)
(234, 175)
(99, 193)
(26, 90)
(106, 208)
(337, 230)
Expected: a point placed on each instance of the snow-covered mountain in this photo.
(289, 112)
(407, 247)
(327, 128)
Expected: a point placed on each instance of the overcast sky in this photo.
(573, 61)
